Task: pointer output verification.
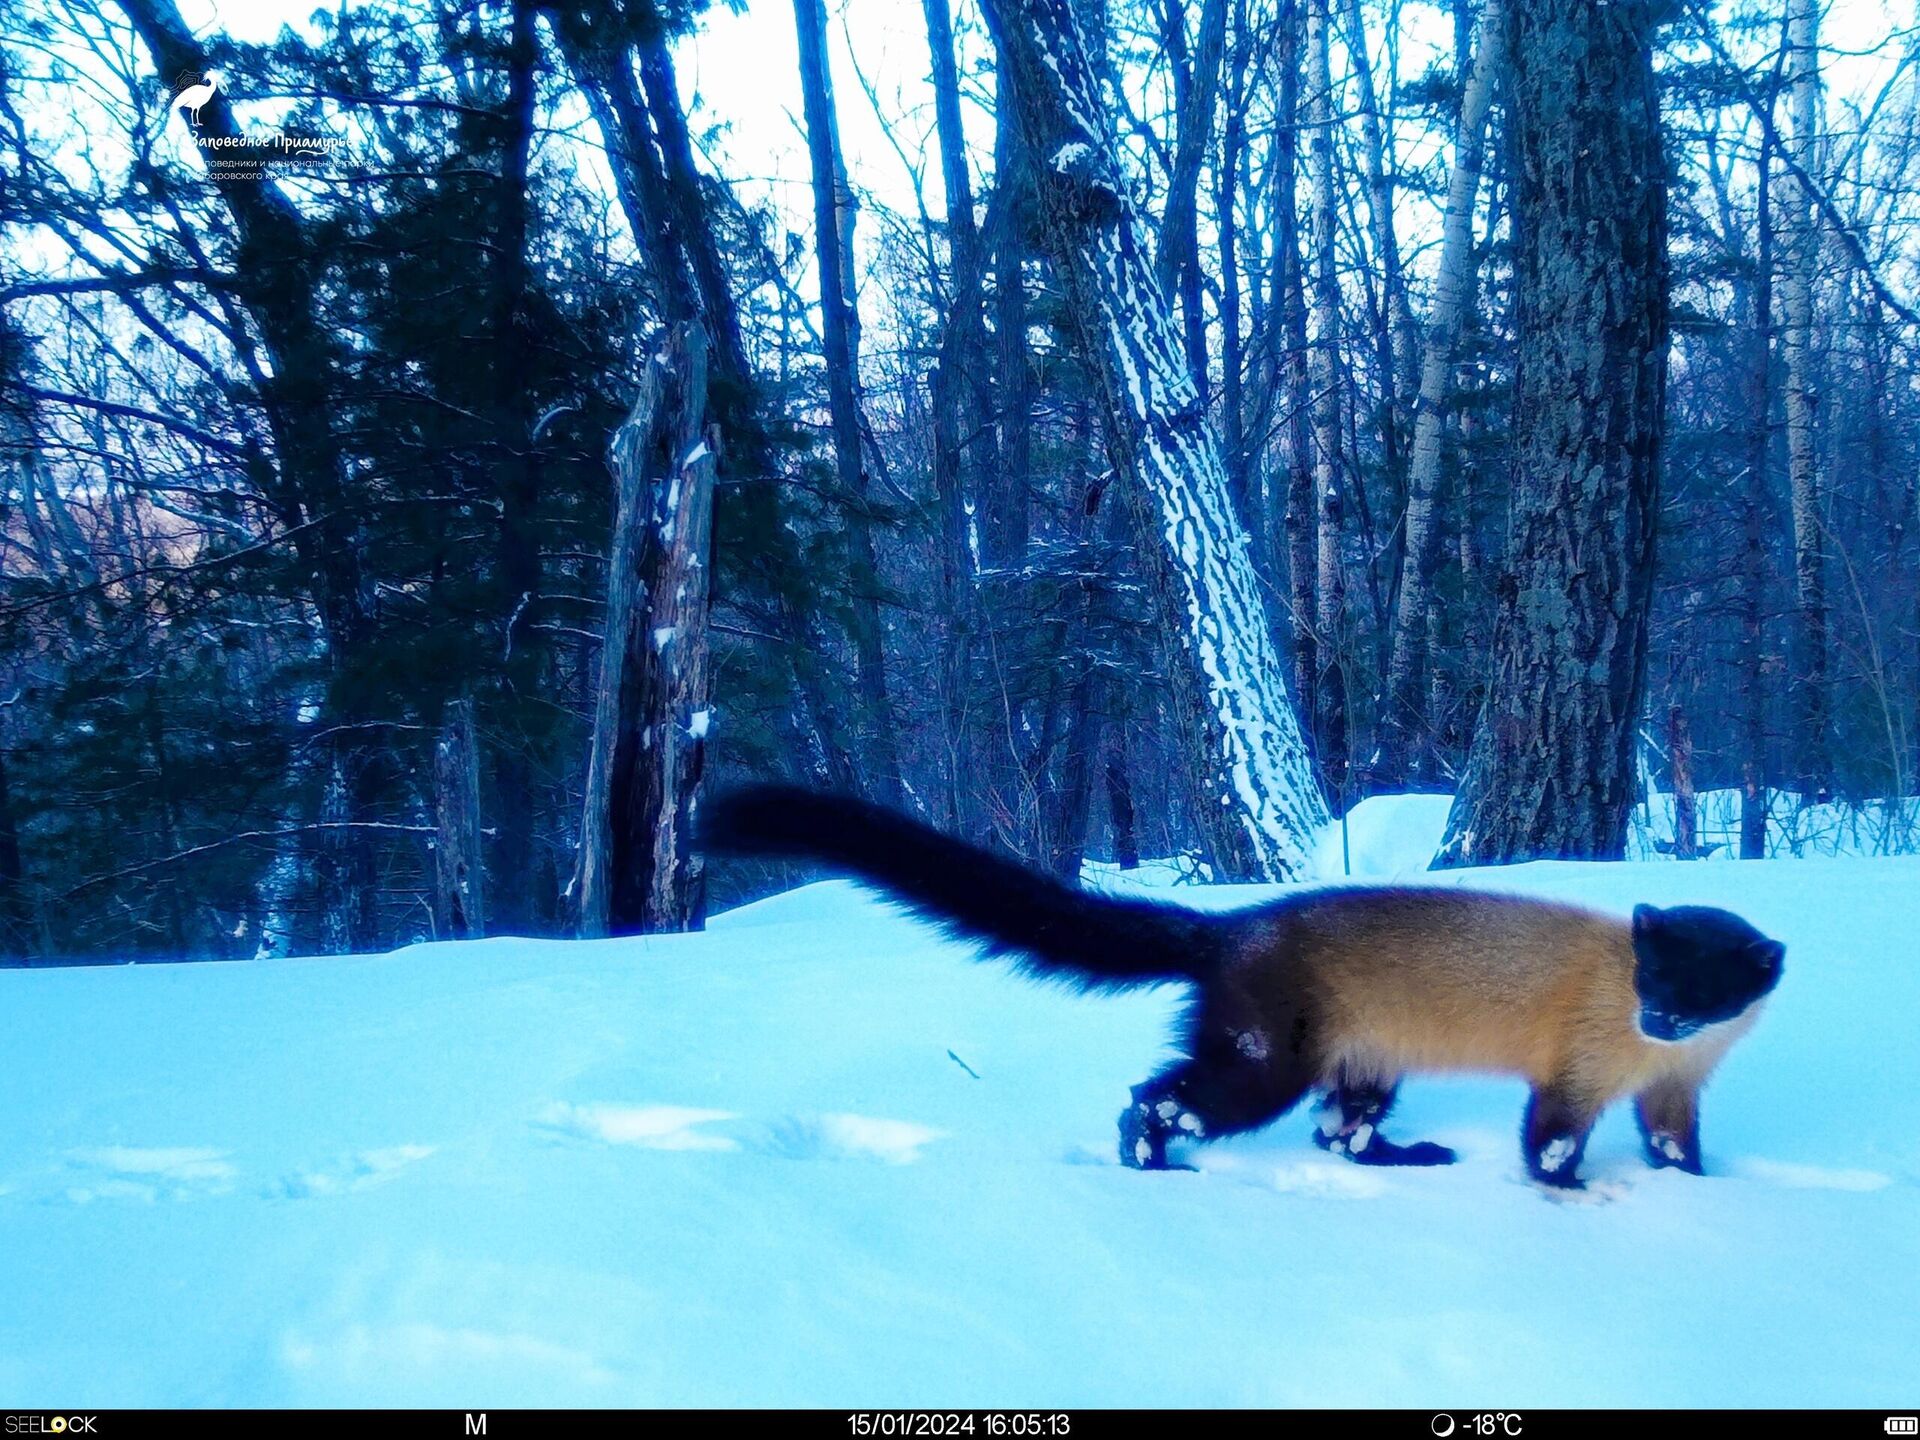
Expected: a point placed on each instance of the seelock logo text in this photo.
(49, 1425)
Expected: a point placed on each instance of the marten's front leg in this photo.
(1554, 1134)
(1348, 1123)
(1669, 1113)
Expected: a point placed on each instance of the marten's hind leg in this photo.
(1204, 1098)
(1348, 1123)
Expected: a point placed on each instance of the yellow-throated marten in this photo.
(1338, 990)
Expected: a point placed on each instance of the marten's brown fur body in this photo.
(1391, 981)
(1342, 991)
(1440, 980)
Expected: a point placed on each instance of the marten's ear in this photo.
(1646, 919)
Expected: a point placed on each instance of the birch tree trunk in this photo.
(833, 216)
(1258, 804)
(1290, 302)
(637, 871)
(1408, 727)
(1551, 773)
(1801, 234)
(1323, 369)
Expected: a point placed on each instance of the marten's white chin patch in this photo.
(1697, 1034)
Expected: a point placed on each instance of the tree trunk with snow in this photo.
(1258, 802)
(1407, 727)
(661, 192)
(1801, 233)
(459, 905)
(1551, 772)
(637, 870)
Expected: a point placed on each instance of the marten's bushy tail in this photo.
(1051, 930)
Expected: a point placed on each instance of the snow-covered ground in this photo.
(817, 1156)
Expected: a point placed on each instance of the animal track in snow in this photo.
(358, 1171)
(1790, 1176)
(650, 1127)
(792, 1137)
(1595, 1190)
(1312, 1177)
(1327, 1180)
(847, 1137)
(146, 1173)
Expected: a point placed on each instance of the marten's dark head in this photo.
(1695, 966)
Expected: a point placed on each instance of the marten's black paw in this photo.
(1154, 1118)
(1367, 1146)
(1556, 1164)
(1668, 1152)
(1143, 1144)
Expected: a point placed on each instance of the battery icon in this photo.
(1903, 1425)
